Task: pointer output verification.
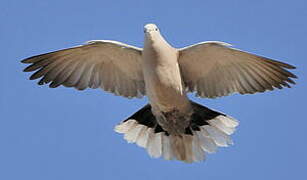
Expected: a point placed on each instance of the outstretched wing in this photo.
(110, 65)
(214, 69)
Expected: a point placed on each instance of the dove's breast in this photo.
(163, 81)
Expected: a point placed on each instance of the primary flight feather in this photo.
(171, 125)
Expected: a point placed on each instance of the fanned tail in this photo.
(210, 130)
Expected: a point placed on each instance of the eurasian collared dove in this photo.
(171, 125)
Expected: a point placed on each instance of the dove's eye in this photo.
(156, 29)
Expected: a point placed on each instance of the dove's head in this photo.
(150, 28)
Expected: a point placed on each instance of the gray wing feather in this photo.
(214, 69)
(113, 66)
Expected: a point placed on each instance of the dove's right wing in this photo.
(110, 65)
(214, 69)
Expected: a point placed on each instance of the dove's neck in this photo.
(155, 40)
(157, 51)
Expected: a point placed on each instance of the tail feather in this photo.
(199, 154)
(167, 151)
(206, 142)
(154, 144)
(206, 137)
(221, 126)
(133, 133)
(124, 129)
(142, 137)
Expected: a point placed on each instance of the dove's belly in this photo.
(165, 90)
(163, 82)
(167, 97)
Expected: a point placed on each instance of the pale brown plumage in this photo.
(211, 69)
(110, 65)
(171, 125)
(214, 69)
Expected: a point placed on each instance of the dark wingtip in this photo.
(41, 82)
(33, 76)
(23, 61)
(54, 85)
(290, 66)
(292, 75)
(26, 61)
(27, 69)
(290, 81)
(285, 84)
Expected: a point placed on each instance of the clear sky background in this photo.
(61, 134)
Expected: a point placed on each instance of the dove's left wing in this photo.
(110, 65)
(214, 69)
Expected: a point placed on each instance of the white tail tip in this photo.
(187, 148)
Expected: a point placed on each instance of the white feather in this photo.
(125, 126)
(149, 140)
(187, 141)
(228, 121)
(166, 148)
(206, 143)
(219, 137)
(221, 126)
(199, 154)
(142, 138)
(154, 144)
(177, 147)
(133, 133)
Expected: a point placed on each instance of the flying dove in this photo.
(171, 125)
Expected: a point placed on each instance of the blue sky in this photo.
(68, 134)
